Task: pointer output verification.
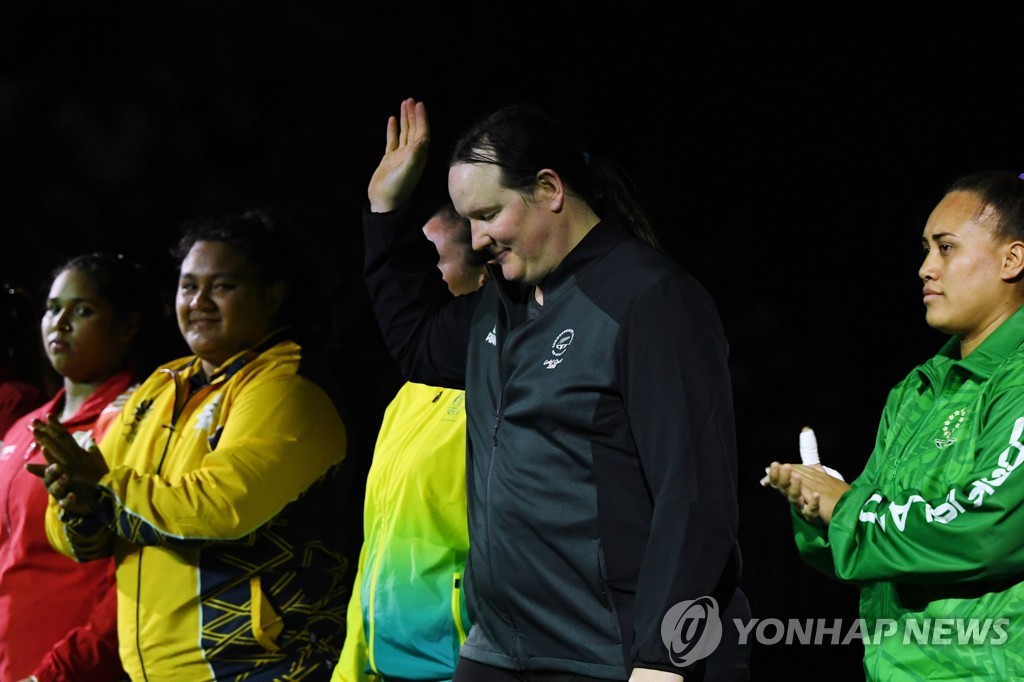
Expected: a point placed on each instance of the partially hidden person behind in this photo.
(216, 490)
(58, 619)
(407, 616)
(931, 529)
(24, 382)
(602, 464)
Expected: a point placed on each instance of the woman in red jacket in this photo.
(58, 618)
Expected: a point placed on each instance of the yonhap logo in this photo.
(691, 630)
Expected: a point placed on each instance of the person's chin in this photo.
(512, 273)
(200, 344)
(938, 323)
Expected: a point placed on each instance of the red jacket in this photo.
(58, 619)
(17, 398)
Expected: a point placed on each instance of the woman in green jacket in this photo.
(931, 530)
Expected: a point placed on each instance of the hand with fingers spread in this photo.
(405, 156)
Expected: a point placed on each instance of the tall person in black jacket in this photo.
(602, 453)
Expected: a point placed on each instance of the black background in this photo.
(789, 158)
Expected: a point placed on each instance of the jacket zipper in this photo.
(175, 415)
(921, 425)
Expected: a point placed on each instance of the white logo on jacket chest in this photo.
(206, 418)
(492, 336)
(953, 422)
(558, 348)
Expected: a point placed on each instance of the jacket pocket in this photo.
(267, 624)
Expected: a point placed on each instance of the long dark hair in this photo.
(521, 139)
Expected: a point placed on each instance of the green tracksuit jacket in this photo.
(933, 529)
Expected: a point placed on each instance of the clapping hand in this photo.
(811, 488)
(71, 472)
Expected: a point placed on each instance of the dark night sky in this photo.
(789, 158)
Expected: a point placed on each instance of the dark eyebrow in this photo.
(70, 301)
(216, 275)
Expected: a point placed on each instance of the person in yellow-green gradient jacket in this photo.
(407, 616)
(217, 490)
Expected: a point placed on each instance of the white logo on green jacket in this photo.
(873, 511)
(953, 422)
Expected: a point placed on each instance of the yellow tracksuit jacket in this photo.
(220, 510)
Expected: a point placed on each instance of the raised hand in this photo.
(405, 157)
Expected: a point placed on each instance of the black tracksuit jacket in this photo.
(601, 443)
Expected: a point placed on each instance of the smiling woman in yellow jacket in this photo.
(216, 492)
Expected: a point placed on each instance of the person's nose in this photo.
(927, 272)
(479, 240)
(200, 299)
(62, 322)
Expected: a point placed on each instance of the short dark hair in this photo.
(1004, 192)
(270, 242)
